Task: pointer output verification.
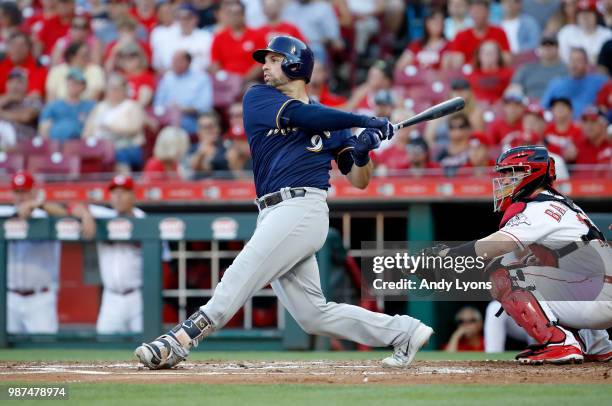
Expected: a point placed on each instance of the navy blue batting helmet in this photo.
(299, 59)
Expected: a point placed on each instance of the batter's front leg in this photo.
(299, 290)
(286, 234)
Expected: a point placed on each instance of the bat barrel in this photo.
(439, 110)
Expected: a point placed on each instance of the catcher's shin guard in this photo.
(173, 347)
(524, 308)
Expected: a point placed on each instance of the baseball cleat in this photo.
(551, 354)
(404, 354)
(162, 353)
(605, 357)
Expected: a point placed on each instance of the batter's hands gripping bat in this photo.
(439, 110)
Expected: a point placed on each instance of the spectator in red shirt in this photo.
(127, 28)
(532, 131)
(276, 26)
(238, 151)
(319, 90)
(395, 156)
(594, 147)
(408, 152)
(428, 51)
(468, 335)
(514, 108)
(144, 12)
(232, 47)
(79, 32)
(490, 76)
(56, 26)
(604, 99)
(479, 156)
(141, 81)
(19, 54)
(533, 134)
(466, 42)
(45, 10)
(170, 149)
(562, 135)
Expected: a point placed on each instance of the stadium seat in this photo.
(11, 162)
(523, 58)
(55, 164)
(226, 88)
(95, 156)
(413, 76)
(37, 146)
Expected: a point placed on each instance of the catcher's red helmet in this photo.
(525, 169)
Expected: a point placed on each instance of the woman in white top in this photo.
(121, 120)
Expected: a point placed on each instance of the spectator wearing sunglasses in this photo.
(468, 334)
(455, 154)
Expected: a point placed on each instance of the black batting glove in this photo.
(368, 140)
(384, 125)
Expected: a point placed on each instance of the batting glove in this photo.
(384, 125)
(368, 140)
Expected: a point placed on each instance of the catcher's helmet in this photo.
(299, 59)
(526, 168)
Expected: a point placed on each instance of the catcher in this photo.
(551, 267)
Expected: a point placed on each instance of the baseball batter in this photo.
(552, 268)
(293, 141)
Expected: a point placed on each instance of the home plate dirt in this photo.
(331, 372)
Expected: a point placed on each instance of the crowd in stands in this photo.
(159, 83)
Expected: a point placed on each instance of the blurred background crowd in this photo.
(154, 86)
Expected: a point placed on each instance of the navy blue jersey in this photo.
(284, 156)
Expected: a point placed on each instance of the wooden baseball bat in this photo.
(439, 110)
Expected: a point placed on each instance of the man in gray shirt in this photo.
(532, 78)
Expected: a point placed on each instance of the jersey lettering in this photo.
(560, 209)
(553, 214)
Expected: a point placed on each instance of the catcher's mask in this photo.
(524, 170)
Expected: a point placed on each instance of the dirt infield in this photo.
(309, 372)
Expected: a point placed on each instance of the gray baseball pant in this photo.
(282, 252)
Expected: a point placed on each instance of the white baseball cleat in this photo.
(404, 353)
(162, 353)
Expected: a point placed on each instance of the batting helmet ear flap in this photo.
(293, 67)
(551, 170)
